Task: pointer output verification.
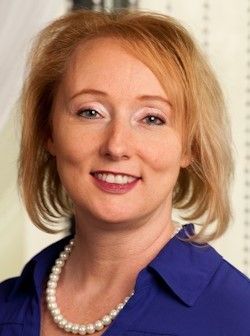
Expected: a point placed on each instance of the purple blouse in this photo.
(186, 290)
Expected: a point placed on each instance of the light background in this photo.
(222, 28)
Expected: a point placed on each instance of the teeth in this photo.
(111, 178)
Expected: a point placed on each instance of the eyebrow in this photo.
(89, 91)
(104, 94)
(154, 97)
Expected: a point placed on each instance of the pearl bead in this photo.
(59, 262)
(75, 328)
(126, 299)
(62, 323)
(54, 277)
(99, 325)
(55, 311)
(113, 313)
(90, 328)
(68, 326)
(50, 291)
(82, 329)
(120, 306)
(63, 255)
(50, 298)
(52, 305)
(58, 318)
(52, 284)
(106, 320)
(56, 270)
(67, 249)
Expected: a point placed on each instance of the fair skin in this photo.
(129, 130)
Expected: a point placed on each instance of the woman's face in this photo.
(111, 114)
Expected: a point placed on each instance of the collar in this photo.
(187, 268)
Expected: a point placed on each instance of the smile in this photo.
(115, 184)
(117, 179)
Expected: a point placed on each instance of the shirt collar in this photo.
(186, 268)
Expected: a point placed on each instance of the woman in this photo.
(123, 120)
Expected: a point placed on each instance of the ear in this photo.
(51, 146)
(185, 160)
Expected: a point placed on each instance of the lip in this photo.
(114, 188)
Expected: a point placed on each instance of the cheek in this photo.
(68, 150)
(165, 154)
(71, 145)
(72, 153)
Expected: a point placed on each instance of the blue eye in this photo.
(154, 120)
(87, 113)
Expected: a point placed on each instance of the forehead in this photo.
(105, 63)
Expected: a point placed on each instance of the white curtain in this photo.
(19, 22)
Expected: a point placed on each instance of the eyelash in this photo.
(155, 115)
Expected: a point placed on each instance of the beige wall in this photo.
(12, 218)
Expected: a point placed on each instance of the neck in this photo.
(104, 259)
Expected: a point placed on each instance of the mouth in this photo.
(115, 183)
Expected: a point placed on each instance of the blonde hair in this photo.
(202, 189)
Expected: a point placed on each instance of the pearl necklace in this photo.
(59, 319)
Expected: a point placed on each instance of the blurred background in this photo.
(222, 28)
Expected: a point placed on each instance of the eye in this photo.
(88, 113)
(154, 120)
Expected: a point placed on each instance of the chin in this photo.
(115, 217)
(111, 217)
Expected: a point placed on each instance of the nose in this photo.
(117, 141)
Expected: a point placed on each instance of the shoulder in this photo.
(233, 283)
(223, 276)
(217, 289)
(228, 297)
(226, 283)
(32, 275)
(6, 287)
(20, 296)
